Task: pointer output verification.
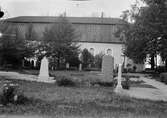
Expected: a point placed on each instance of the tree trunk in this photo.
(166, 65)
(58, 61)
(54, 63)
(152, 62)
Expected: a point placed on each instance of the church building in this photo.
(95, 34)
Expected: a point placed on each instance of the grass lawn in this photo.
(81, 101)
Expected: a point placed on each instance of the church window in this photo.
(92, 51)
(109, 52)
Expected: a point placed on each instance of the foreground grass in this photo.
(49, 99)
(80, 101)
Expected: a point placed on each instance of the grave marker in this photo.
(108, 67)
(44, 70)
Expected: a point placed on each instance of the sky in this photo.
(110, 8)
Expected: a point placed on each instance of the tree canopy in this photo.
(146, 32)
(13, 48)
(87, 58)
(59, 41)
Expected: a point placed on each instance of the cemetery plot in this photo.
(78, 101)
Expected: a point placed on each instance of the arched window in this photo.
(109, 52)
(92, 51)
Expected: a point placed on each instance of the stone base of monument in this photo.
(118, 89)
(46, 79)
(44, 72)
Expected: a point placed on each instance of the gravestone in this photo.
(80, 67)
(44, 70)
(67, 65)
(108, 67)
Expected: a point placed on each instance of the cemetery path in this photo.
(157, 93)
(161, 86)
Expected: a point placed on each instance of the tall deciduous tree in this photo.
(146, 33)
(59, 41)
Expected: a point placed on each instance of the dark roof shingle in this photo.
(104, 35)
(50, 19)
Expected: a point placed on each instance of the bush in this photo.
(104, 84)
(125, 70)
(12, 94)
(87, 58)
(64, 81)
(73, 68)
(149, 70)
(163, 77)
(126, 83)
(91, 69)
(161, 69)
(98, 60)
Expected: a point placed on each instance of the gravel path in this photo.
(159, 93)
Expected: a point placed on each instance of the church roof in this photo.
(77, 20)
(102, 34)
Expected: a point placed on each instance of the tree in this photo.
(59, 41)
(87, 58)
(32, 43)
(146, 33)
(13, 48)
(98, 60)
